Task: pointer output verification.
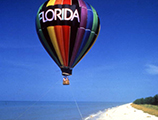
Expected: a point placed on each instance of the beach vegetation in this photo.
(147, 100)
(147, 108)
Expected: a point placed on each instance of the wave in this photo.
(94, 116)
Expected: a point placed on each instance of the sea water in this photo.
(24, 110)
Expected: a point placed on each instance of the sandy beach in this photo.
(125, 112)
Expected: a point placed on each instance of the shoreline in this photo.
(122, 112)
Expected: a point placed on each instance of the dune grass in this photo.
(151, 109)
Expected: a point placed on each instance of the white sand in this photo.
(125, 112)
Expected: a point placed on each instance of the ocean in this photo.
(42, 110)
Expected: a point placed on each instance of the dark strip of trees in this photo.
(147, 100)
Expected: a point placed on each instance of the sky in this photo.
(121, 66)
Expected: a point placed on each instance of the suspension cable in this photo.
(77, 105)
(42, 96)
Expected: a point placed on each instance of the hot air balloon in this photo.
(67, 29)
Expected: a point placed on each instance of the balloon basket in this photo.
(66, 81)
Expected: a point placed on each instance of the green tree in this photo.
(139, 101)
(156, 99)
(142, 101)
(147, 100)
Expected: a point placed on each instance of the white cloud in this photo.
(152, 69)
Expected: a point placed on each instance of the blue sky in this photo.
(121, 66)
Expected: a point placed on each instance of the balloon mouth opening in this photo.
(66, 71)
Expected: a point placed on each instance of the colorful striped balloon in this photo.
(67, 29)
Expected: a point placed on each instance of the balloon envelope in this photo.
(67, 29)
